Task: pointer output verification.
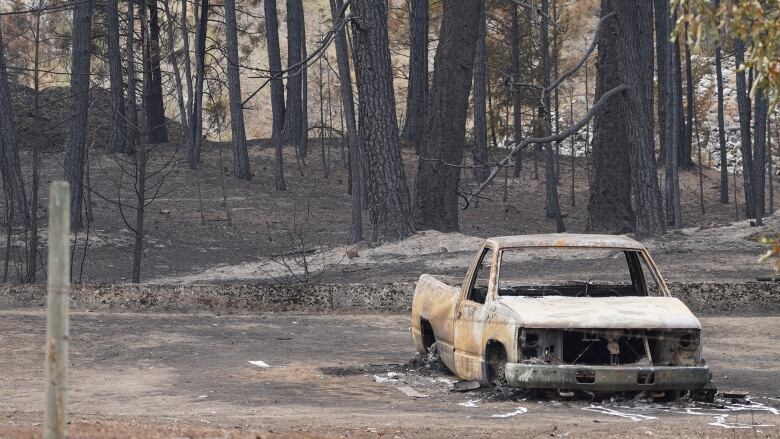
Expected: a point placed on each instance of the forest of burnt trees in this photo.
(497, 66)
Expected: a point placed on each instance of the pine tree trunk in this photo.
(79, 89)
(441, 152)
(119, 126)
(277, 90)
(417, 94)
(552, 206)
(304, 145)
(132, 109)
(663, 73)
(724, 166)
(759, 163)
(635, 65)
(155, 107)
(196, 122)
(678, 100)
(9, 154)
(677, 135)
(481, 169)
(686, 162)
(173, 60)
(185, 47)
(240, 152)
(609, 199)
(388, 193)
(293, 117)
(517, 122)
(743, 105)
(348, 112)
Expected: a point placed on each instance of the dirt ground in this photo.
(153, 375)
(207, 226)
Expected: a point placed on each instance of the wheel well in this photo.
(428, 338)
(495, 358)
(495, 352)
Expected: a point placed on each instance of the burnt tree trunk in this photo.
(348, 114)
(759, 159)
(132, 109)
(240, 153)
(277, 90)
(517, 120)
(79, 90)
(662, 62)
(724, 166)
(417, 94)
(743, 105)
(481, 169)
(293, 116)
(635, 66)
(185, 48)
(119, 125)
(441, 153)
(173, 60)
(686, 162)
(677, 79)
(196, 123)
(154, 105)
(388, 193)
(9, 154)
(609, 198)
(552, 205)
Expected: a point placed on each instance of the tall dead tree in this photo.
(441, 152)
(119, 127)
(240, 152)
(173, 60)
(417, 93)
(79, 90)
(662, 56)
(388, 193)
(293, 116)
(686, 161)
(635, 66)
(759, 160)
(674, 123)
(348, 115)
(480, 104)
(724, 169)
(196, 121)
(609, 198)
(517, 119)
(552, 204)
(132, 110)
(277, 90)
(10, 167)
(744, 108)
(154, 105)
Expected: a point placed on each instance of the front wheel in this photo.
(495, 365)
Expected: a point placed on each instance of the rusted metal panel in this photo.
(565, 240)
(607, 378)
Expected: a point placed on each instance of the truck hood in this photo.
(600, 313)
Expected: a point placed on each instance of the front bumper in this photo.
(607, 378)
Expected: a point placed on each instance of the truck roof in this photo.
(565, 240)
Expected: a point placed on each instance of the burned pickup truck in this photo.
(563, 312)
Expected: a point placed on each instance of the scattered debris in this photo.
(259, 363)
(518, 411)
(612, 412)
(470, 403)
(390, 376)
(721, 421)
(411, 392)
(465, 386)
(738, 394)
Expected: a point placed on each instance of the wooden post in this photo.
(57, 332)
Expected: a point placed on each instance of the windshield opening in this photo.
(575, 272)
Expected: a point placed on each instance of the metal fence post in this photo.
(57, 331)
